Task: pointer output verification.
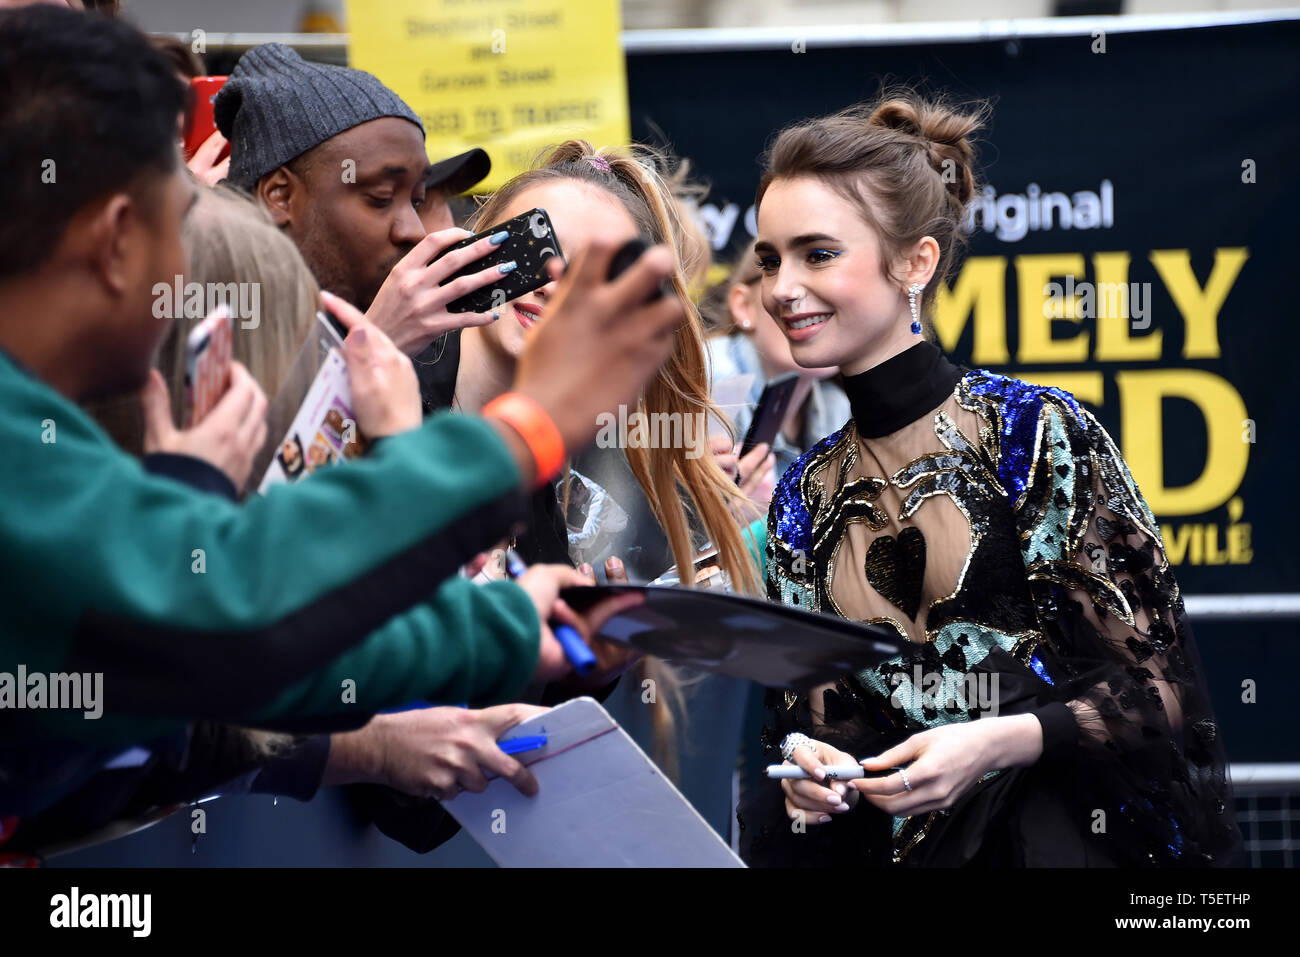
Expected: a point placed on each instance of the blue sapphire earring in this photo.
(913, 291)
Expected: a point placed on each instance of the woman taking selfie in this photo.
(989, 521)
(631, 511)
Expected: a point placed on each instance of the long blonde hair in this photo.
(681, 386)
(228, 238)
(639, 178)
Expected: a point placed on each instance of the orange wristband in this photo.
(535, 427)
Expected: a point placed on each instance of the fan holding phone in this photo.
(453, 279)
(207, 152)
(225, 409)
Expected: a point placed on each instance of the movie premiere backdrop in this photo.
(1134, 244)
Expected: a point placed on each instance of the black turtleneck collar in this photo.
(900, 390)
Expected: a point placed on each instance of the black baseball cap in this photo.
(458, 173)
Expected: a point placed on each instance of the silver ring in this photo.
(796, 740)
(907, 784)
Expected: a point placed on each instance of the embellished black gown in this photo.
(994, 523)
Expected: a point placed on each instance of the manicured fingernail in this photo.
(496, 239)
(824, 819)
(507, 267)
(833, 799)
(840, 787)
(820, 773)
(496, 316)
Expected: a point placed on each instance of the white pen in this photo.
(840, 772)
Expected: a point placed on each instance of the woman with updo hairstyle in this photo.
(1049, 708)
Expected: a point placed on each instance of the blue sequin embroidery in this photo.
(1036, 663)
(1021, 403)
(788, 512)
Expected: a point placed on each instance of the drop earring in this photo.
(913, 291)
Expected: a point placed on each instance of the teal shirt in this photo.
(195, 607)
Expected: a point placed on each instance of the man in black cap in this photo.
(338, 160)
(447, 179)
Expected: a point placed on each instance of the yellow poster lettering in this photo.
(1212, 554)
(1115, 339)
(1177, 539)
(1199, 307)
(1141, 396)
(981, 292)
(1037, 345)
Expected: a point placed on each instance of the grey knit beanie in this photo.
(277, 106)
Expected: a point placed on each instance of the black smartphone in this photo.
(530, 244)
(771, 411)
(629, 253)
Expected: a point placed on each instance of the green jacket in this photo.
(193, 607)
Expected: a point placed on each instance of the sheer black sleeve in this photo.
(1149, 756)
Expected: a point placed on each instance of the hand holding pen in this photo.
(575, 649)
(543, 584)
(811, 792)
(564, 630)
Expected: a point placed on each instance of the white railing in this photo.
(1220, 607)
(334, 45)
(1272, 776)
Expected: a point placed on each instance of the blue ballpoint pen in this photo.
(575, 649)
(528, 742)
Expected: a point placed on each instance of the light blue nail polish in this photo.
(507, 267)
(496, 239)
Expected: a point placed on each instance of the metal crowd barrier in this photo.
(1267, 794)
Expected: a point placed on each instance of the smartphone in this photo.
(771, 411)
(208, 353)
(201, 123)
(530, 244)
(629, 253)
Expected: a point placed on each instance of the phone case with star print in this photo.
(530, 244)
